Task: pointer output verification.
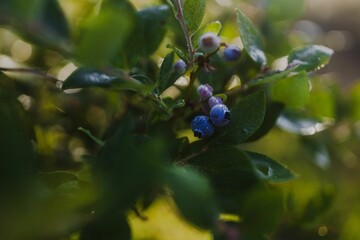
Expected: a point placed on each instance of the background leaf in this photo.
(142, 41)
(292, 91)
(37, 21)
(251, 38)
(310, 57)
(105, 33)
(194, 11)
(269, 169)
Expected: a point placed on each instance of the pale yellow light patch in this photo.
(189, 134)
(164, 223)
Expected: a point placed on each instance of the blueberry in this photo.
(202, 126)
(205, 91)
(180, 66)
(220, 115)
(209, 42)
(232, 53)
(214, 101)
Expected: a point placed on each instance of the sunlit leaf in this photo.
(310, 57)
(292, 91)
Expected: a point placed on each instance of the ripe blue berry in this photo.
(202, 126)
(220, 115)
(209, 42)
(214, 101)
(180, 66)
(232, 53)
(205, 91)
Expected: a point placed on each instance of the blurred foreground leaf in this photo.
(193, 196)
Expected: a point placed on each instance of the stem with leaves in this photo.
(180, 17)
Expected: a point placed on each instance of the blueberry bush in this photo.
(119, 107)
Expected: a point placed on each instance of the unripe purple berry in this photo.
(202, 126)
(220, 115)
(209, 42)
(205, 91)
(214, 101)
(232, 53)
(180, 66)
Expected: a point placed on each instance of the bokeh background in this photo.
(323, 202)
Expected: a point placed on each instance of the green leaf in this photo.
(178, 52)
(152, 20)
(272, 77)
(269, 169)
(142, 41)
(251, 38)
(213, 27)
(302, 124)
(89, 134)
(194, 11)
(126, 168)
(174, 103)
(193, 196)
(246, 118)
(311, 57)
(84, 77)
(273, 111)
(168, 76)
(56, 178)
(100, 42)
(229, 169)
(292, 91)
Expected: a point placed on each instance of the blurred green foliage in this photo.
(95, 125)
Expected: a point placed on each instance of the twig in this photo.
(180, 17)
(31, 71)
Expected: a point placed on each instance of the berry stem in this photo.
(180, 17)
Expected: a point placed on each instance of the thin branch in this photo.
(32, 71)
(180, 17)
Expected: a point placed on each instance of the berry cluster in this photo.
(204, 126)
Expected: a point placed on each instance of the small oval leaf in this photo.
(251, 38)
(269, 169)
(311, 57)
(194, 11)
